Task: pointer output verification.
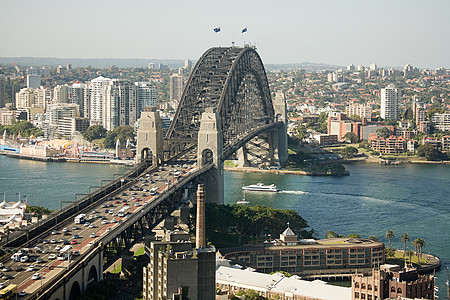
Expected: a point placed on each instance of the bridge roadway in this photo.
(104, 220)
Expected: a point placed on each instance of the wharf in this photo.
(281, 171)
(32, 157)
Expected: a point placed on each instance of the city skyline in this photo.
(341, 33)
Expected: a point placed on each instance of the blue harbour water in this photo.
(407, 198)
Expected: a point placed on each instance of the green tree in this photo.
(384, 132)
(349, 152)
(351, 137)
(331, 234)
(390, 122)
(390, 235)
(373, 238)
(405, 239)
(353, 235)
(94, 132)
(121, 133)
(429, 152)
(390, 253)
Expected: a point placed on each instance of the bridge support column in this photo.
(281, 116)
(210, 150)
(150, 142)
(242, 156)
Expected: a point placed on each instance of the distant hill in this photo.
(141, 63)
(93, 62)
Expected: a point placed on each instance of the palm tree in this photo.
(420, 244)
(389, 235)
(415, 243)
(405, 239)
(373, 238)
(409, 253)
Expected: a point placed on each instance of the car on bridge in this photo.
(36, 276)
(52, 256)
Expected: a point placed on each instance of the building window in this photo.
(399, 290)
(375, 288)
(369, 297)
(369, 287)
(393, 289)
(363, 296)
(356, 284)
(356, 295)
(363, 286)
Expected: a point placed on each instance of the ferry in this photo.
(260, 187)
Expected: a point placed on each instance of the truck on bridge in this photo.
(80, 219)
(64, 252)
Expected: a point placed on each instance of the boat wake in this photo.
(293, 192)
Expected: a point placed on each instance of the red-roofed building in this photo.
(391, 145)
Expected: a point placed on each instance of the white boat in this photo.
(260, 187)
(243, 201)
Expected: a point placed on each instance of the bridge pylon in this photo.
(150, 142)
(280, 109)
(210, 150)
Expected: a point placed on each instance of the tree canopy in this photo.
(26, 129)
(121, 133)
(234, 224)
(94, 132)
(430, 152)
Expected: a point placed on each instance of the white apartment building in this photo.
(441, 122)
(76, 95)
(61, 94)
(389, 102)
(120, 104)
(43, 97)
(361, 110)
(96, 99)
(25, 98)
(176, 87)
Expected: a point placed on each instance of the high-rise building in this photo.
(33, 81)
(389, 102)
(361, 110)
(351, 68)
(96, 99)
(43, 97)
(146, 95)
(2, 90)
(25, 98)
(176, 87)
(119, 104)
(76, 95)
(61, 94)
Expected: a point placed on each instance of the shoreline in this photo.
(394, 162)
(64, 159)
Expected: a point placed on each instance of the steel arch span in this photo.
(232, 80)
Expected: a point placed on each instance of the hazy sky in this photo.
(341, 32)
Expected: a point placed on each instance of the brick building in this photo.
(391, 281)
(390, 145)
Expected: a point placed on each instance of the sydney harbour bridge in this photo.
(226, 111)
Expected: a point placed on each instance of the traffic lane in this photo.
(84, 232)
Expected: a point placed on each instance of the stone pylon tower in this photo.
(280, 108)
(150, 142)
(210, 150)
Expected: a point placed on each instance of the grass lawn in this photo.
(399, 259)
(117, 270)
(230, 164)
(139, 252)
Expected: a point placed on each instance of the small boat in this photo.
(243, 201)
(260, 187)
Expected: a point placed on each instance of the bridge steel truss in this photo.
(232, 80)
(134, 228)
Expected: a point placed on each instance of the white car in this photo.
(105, 222)
(30, 269)
(36, 276)
(90, 244)
(2, 285)
(52, 256)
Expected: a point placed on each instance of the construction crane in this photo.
(17, 68)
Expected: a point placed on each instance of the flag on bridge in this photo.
(245, 29)
(217, 29)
